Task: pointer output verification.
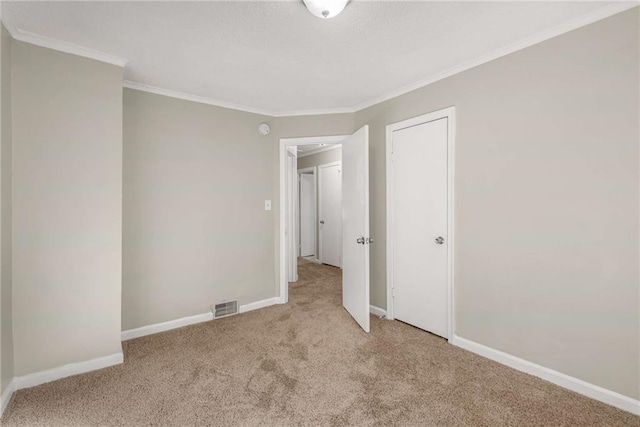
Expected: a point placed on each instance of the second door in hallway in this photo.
(330, 213)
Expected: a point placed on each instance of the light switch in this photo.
(267, 205)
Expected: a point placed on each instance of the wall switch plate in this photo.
(267, 205)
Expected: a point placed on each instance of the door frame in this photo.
(284, 143)
(324, 165)
(450, 114)
(314, 171)
(291, 215)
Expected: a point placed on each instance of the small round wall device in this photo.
(264, 129)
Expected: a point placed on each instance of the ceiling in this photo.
(275, 57)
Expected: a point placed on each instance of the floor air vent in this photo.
(225, 309)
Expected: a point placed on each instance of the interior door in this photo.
(331, 214)
(419, 224)
(307, 214)
(355, 226)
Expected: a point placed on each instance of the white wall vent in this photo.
(225, 309)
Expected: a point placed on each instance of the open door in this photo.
(355, 226)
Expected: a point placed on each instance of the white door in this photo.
(307, 214)
(355, 226)
(419, 224)
(331, 214)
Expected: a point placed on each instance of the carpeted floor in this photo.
(304, 363)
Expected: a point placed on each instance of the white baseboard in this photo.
(259, 304)
(49, 375)
(166, 326)
(377, 311)
(191, 320)
(6, 396)
(574, 384)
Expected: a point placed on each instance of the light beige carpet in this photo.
(304, 363)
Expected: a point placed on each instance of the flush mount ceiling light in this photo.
(325, 8)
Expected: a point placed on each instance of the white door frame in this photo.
(292, 213)
(450, 114)
(314, 171)
(282, 156)
(324, 165)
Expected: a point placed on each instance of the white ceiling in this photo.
(275, 57)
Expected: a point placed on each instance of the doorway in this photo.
(420, 153)
(290, 225)
(343, 226)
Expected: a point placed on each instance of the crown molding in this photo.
(194, 98)
(566, 27)
(43, 41)
(558, 30)
(224, 104)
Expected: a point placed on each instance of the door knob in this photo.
(322, 221)
(439, 240)
(360, 240)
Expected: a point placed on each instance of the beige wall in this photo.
(67, 208)
(6, 328)
(546, 201)
(322, 158)
(195, 229)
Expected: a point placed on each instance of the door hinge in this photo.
(393, 292)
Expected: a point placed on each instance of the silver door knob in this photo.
(322, 221)
(360, 240)
(439, 240)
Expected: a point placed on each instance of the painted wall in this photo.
(547, 192)
(322, 158)
(6, 327)
(67, 208)
(195, 229)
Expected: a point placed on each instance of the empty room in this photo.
(319, 213)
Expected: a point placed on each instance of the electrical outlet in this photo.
(267, 205)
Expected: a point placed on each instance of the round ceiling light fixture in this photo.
(325, 9)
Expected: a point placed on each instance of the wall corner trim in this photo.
(42, 377)
(6, 396)
(191, 320)
(47, 42)
(377, 311)
(584, 388)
